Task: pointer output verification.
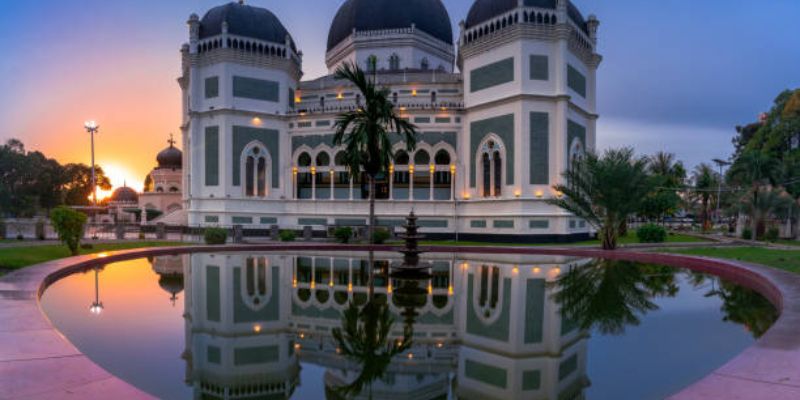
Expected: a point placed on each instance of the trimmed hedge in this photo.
(651, 233)
(215, 236)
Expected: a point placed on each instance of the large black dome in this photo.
(429, 16)
(244, 20)
(484, 10)
(170, 158)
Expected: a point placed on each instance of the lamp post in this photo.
(721, 164)
(97, 307)
(92, 128)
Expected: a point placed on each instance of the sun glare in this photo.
(120, 176)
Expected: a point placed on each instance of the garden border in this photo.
(37, 361)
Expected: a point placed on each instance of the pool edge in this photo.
(770, 368)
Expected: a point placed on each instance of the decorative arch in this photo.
(255, 162)
(491, 168)
(254, 283)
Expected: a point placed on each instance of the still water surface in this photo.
(303, 326)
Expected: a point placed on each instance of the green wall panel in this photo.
(575, 131)
(540, 149)
(477, 223)
(503, 224)
(211, 219)
(268, 220)
(212, 87)
(491, 75)
(213, 308)
(488, 374)
(539, 224)
(256, 89)
(432, 223)
(534, 310)
(531, 380)
(540, 68)
(422, 120)
(502, 126)
(242, 220)
(441, 120)
(389, 222)
(311, 141)
(242, 136)
(268, 312)
(312, 221)
(576, 81)
(214, 355)
(324, 122)
(212, 155)
(255, 355)
(500, 328)
(350, 222)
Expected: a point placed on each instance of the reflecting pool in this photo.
(310, 326)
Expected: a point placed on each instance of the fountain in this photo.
(411, 267)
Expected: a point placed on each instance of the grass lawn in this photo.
(629, 239)
(17, 257)
(788, 260)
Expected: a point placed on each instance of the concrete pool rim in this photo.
(37, 361)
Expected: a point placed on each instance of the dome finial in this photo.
(171, 141)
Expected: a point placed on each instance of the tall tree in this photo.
(706, 185)
(78, 183)
(667, 176)
(365, 132)
(605, 191)
(754, 169)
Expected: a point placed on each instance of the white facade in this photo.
(494, 137)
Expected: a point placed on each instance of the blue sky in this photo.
(677, 75)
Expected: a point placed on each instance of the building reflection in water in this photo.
(476, 328)
(483, 327)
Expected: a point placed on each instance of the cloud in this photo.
(691, 144)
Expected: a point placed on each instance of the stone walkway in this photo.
(37, 362)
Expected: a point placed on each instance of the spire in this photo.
(171, 141)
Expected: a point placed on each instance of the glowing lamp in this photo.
(411, 168)
(410, 356)
(539, 194)
(515, 270)
(453, 169)
(257, 328)
(432, 168)
(96, 308)
(536, 270)
(339, 96)
(413, 92)
(256, 121)
(517, 193)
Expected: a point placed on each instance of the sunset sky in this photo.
(678, 75)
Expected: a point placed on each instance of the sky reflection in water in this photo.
(480, 327)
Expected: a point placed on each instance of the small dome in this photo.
(170, 158)
(243, 20)
(171, 283)
(125, 195)
(429, 16)
(484, 10)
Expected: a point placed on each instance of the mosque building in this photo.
(501, 108)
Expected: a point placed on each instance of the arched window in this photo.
(401, 183)
(173, 189)
(322, 102)
(304, 178)
(394, 98)
(489, 290)
(372, 63)
(255, 171)
(341, 184)
(422, 175)
(255, 282)
(442, 179)
(424, 64)
(394, 62)
(323, 178)
(433, 97)
(491, 160)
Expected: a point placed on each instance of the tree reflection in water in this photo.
(609, 295)
(364, 335)
(745, 306)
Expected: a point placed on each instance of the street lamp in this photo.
(97, 306)
(721, 164)
(92, 128)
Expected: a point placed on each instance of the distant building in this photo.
(494, 137)
(164, 187)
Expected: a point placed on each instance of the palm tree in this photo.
(604, 191)
(663, 164)
(706, 181)
(755, 169)
(365, 132)
(667, 176)
(769, 202)
(745, 306)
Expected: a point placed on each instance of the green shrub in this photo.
(651, 233)
(747, 234)
(215, 235)
(380, 236)
(287, 235)
(2, 229)
(69, 225)
(87, 246)
(772, 234)
(343, 234)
